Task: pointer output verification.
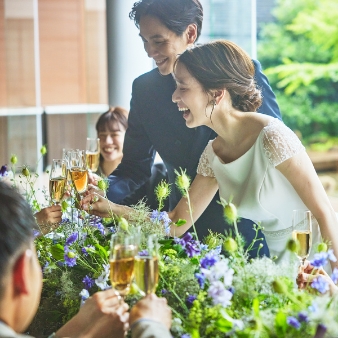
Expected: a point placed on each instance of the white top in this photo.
(260, 191)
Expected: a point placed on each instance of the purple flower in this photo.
(208, 261)
(219, 294)
(3, 171)
(190, 299)
(85, 250)
(88, 282)
(331, 256)
(72, 238)
(69, 257)
(143, 253)
(186, 335)
(99, 226)
(200, 279)
(292, 321)
(36, 233)
(320, 284)
(190, 246)
(334, 275)
(320, 332)
(302, 317)
(161, 216)
(192, 249)
(164, 292)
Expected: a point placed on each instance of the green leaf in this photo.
(180, 222)
(57, 252)
(102, 251)
(281, 323)
(255, 307)
(224, 325)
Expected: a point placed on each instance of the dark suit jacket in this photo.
(156, 124)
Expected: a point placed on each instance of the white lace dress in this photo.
(261, 192)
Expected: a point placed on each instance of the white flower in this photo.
(219, 271)
(219, 294)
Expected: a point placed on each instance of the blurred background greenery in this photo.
(299, 54)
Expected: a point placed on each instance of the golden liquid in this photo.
(146, 273)
(69, 176)
(121, 274)
(304, 239)
(93, 160)
(57, 188)
(79, 179)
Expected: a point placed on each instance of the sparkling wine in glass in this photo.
(93, 153)
(57, 180)
(302, 233)
(79, 172)
(146, 267)
(122, 260)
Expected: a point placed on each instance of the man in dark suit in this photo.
(167, 28)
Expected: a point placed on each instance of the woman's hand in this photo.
(96, 204)
(308, 273)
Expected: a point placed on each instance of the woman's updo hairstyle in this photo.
(222, 64)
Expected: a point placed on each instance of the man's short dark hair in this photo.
(16, 228)
(176, 15)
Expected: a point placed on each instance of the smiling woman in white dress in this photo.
(255, 158)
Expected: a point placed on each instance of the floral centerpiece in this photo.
(212, 286)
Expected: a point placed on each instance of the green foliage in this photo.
(299, 53)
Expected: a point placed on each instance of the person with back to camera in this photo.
(167, 29)
(103, 314)
(254, 158)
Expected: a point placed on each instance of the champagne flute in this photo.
(93, 153)
(146, 267)
(57, 180)
(302, 233)
(122, 259)
(78, 171)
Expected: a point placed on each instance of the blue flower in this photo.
(97, 224)
(208, 261)
(320, 284)
(186, 335)
(331, 256)
(302, 317)
(69, 257)
(192, 249)
(164, 292)
(292, 321)
(84, 295)
(190, 299)
(219, 294)
(72, 238)
(200, 279)
(163, 217)
(143, 253)
(88, 282)
(36, 233)
(3, 171)
(334, 275)
(320, 260)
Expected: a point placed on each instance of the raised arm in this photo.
(300, 172)
(201, 192)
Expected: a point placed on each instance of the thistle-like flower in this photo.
(14, 159)
(43, 150)
(103, 184)
(123, 224)
(25, 171)
(162, 191)
(230, 245)
(182, 181)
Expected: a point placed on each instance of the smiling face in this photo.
(162, 44)
(190, 97)
(111, 142)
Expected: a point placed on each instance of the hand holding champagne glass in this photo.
(93, 153)
(78, 171)
(302, 233)
(57, 180)
(122, 259)
(146, 267)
